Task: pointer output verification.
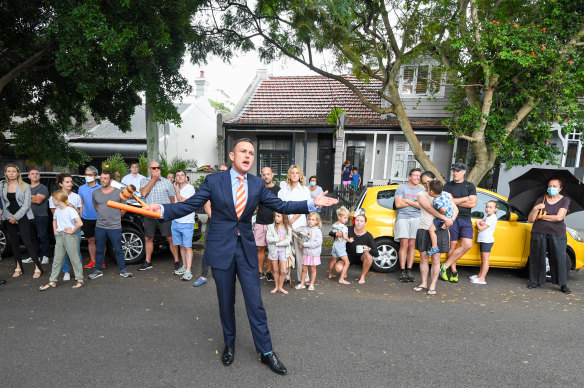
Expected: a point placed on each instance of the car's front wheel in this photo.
(4, 248)
(133, 245)
(388, 260)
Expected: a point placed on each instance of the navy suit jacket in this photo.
(221, 236)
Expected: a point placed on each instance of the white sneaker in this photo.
(476, 281)
(188, 275)
(66, 276)
(45, 260)
(27, 261)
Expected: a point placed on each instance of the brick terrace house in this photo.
(286, 118)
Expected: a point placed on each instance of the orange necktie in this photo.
(240, 198)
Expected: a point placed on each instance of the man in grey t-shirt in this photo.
(108, 226)
(39, 225)
(407, 221)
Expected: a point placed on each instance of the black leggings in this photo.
(22, 228)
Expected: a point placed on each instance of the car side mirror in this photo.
(513, 217)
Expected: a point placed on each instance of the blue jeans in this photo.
(115, 236)
(65, 266)
(39, 231)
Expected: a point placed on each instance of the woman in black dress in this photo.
(548, 235)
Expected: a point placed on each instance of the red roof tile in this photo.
(308, 100)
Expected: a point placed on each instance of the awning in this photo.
(105, 150)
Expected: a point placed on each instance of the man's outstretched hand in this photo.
(323, 200)
(154, 207)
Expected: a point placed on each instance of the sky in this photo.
(234, 78)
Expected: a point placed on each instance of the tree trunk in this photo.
(152, 146)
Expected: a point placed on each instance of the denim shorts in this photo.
(182, 234)
(339, 249)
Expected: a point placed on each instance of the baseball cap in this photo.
(459, 166)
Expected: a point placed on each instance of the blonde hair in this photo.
(318, 220)
(342, 211)
(285, 221)
(61, 196)
(21, 183)
(288, 181)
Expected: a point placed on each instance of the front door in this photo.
(325, 162)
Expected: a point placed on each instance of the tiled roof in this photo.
(308, 100)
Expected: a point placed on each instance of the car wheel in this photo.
(133, 245)
(548, 276)
(387, 261)
(4, 248)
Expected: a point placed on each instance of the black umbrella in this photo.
(527, 188)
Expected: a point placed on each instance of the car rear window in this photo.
(386, 198)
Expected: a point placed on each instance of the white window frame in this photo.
(407, 152)
(431, 65)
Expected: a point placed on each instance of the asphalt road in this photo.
(155, 330)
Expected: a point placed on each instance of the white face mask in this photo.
(89, 179)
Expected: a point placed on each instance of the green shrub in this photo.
(116, 163)
(143, 165)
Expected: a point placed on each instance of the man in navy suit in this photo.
(234, 196)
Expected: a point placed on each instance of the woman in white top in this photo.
(294, 190)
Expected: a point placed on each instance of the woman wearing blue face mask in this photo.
(548, 235)
(315, 189)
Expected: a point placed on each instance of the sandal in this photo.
(420, 288)
(37, 274)
(79, 284)
(431, 292)
(47, 286)
(311, 288)
(17, 273)
(300, 287)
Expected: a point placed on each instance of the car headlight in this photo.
(575, 234)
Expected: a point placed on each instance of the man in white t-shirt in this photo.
(182, 229)
(133, 178)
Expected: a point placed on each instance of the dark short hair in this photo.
(557, 178)
(414, 170)
(242, 140)
(109, 173)
(315, 178)
(355, 169)
(428, 174)
(436, 187)
(61, 177)
(177, 171)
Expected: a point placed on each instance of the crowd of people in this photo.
(430, 217)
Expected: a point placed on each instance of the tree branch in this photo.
(16, 71)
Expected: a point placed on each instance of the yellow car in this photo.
(512, 236)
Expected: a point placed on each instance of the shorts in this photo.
(259, 233)
(182, 233)
(486, 247)
(438, 223)
(151, 224)
(339, 250)
(423, 242)
(88, 228)
(405, 228)
(462, 228)
(280, 256)
(346, 183)
(310, 260)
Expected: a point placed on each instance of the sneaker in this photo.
(146, 265)
(45, 260)
(125, 273)
(95, 274)
(409, 275)
(269, 277)
(66, 276)
(402, 276)
(27, 261)
(177, 266)
(188, 275)
(91, 264)
(180, 271)
(262, 276)
(472, 277)
(199, 282)
(453, 278)
(475, 280)
(443, 273)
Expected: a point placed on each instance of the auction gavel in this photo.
(128, 193)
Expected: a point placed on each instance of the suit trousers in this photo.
(555, 248)
(250, 287)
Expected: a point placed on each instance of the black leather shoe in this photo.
(228, 355)
(2, 281)
(532, 285)
(275, 364)
(565, 290)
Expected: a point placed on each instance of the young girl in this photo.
(339, 258)
(66, 223)
(279, 236)
(312, 249)
(486, 239)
